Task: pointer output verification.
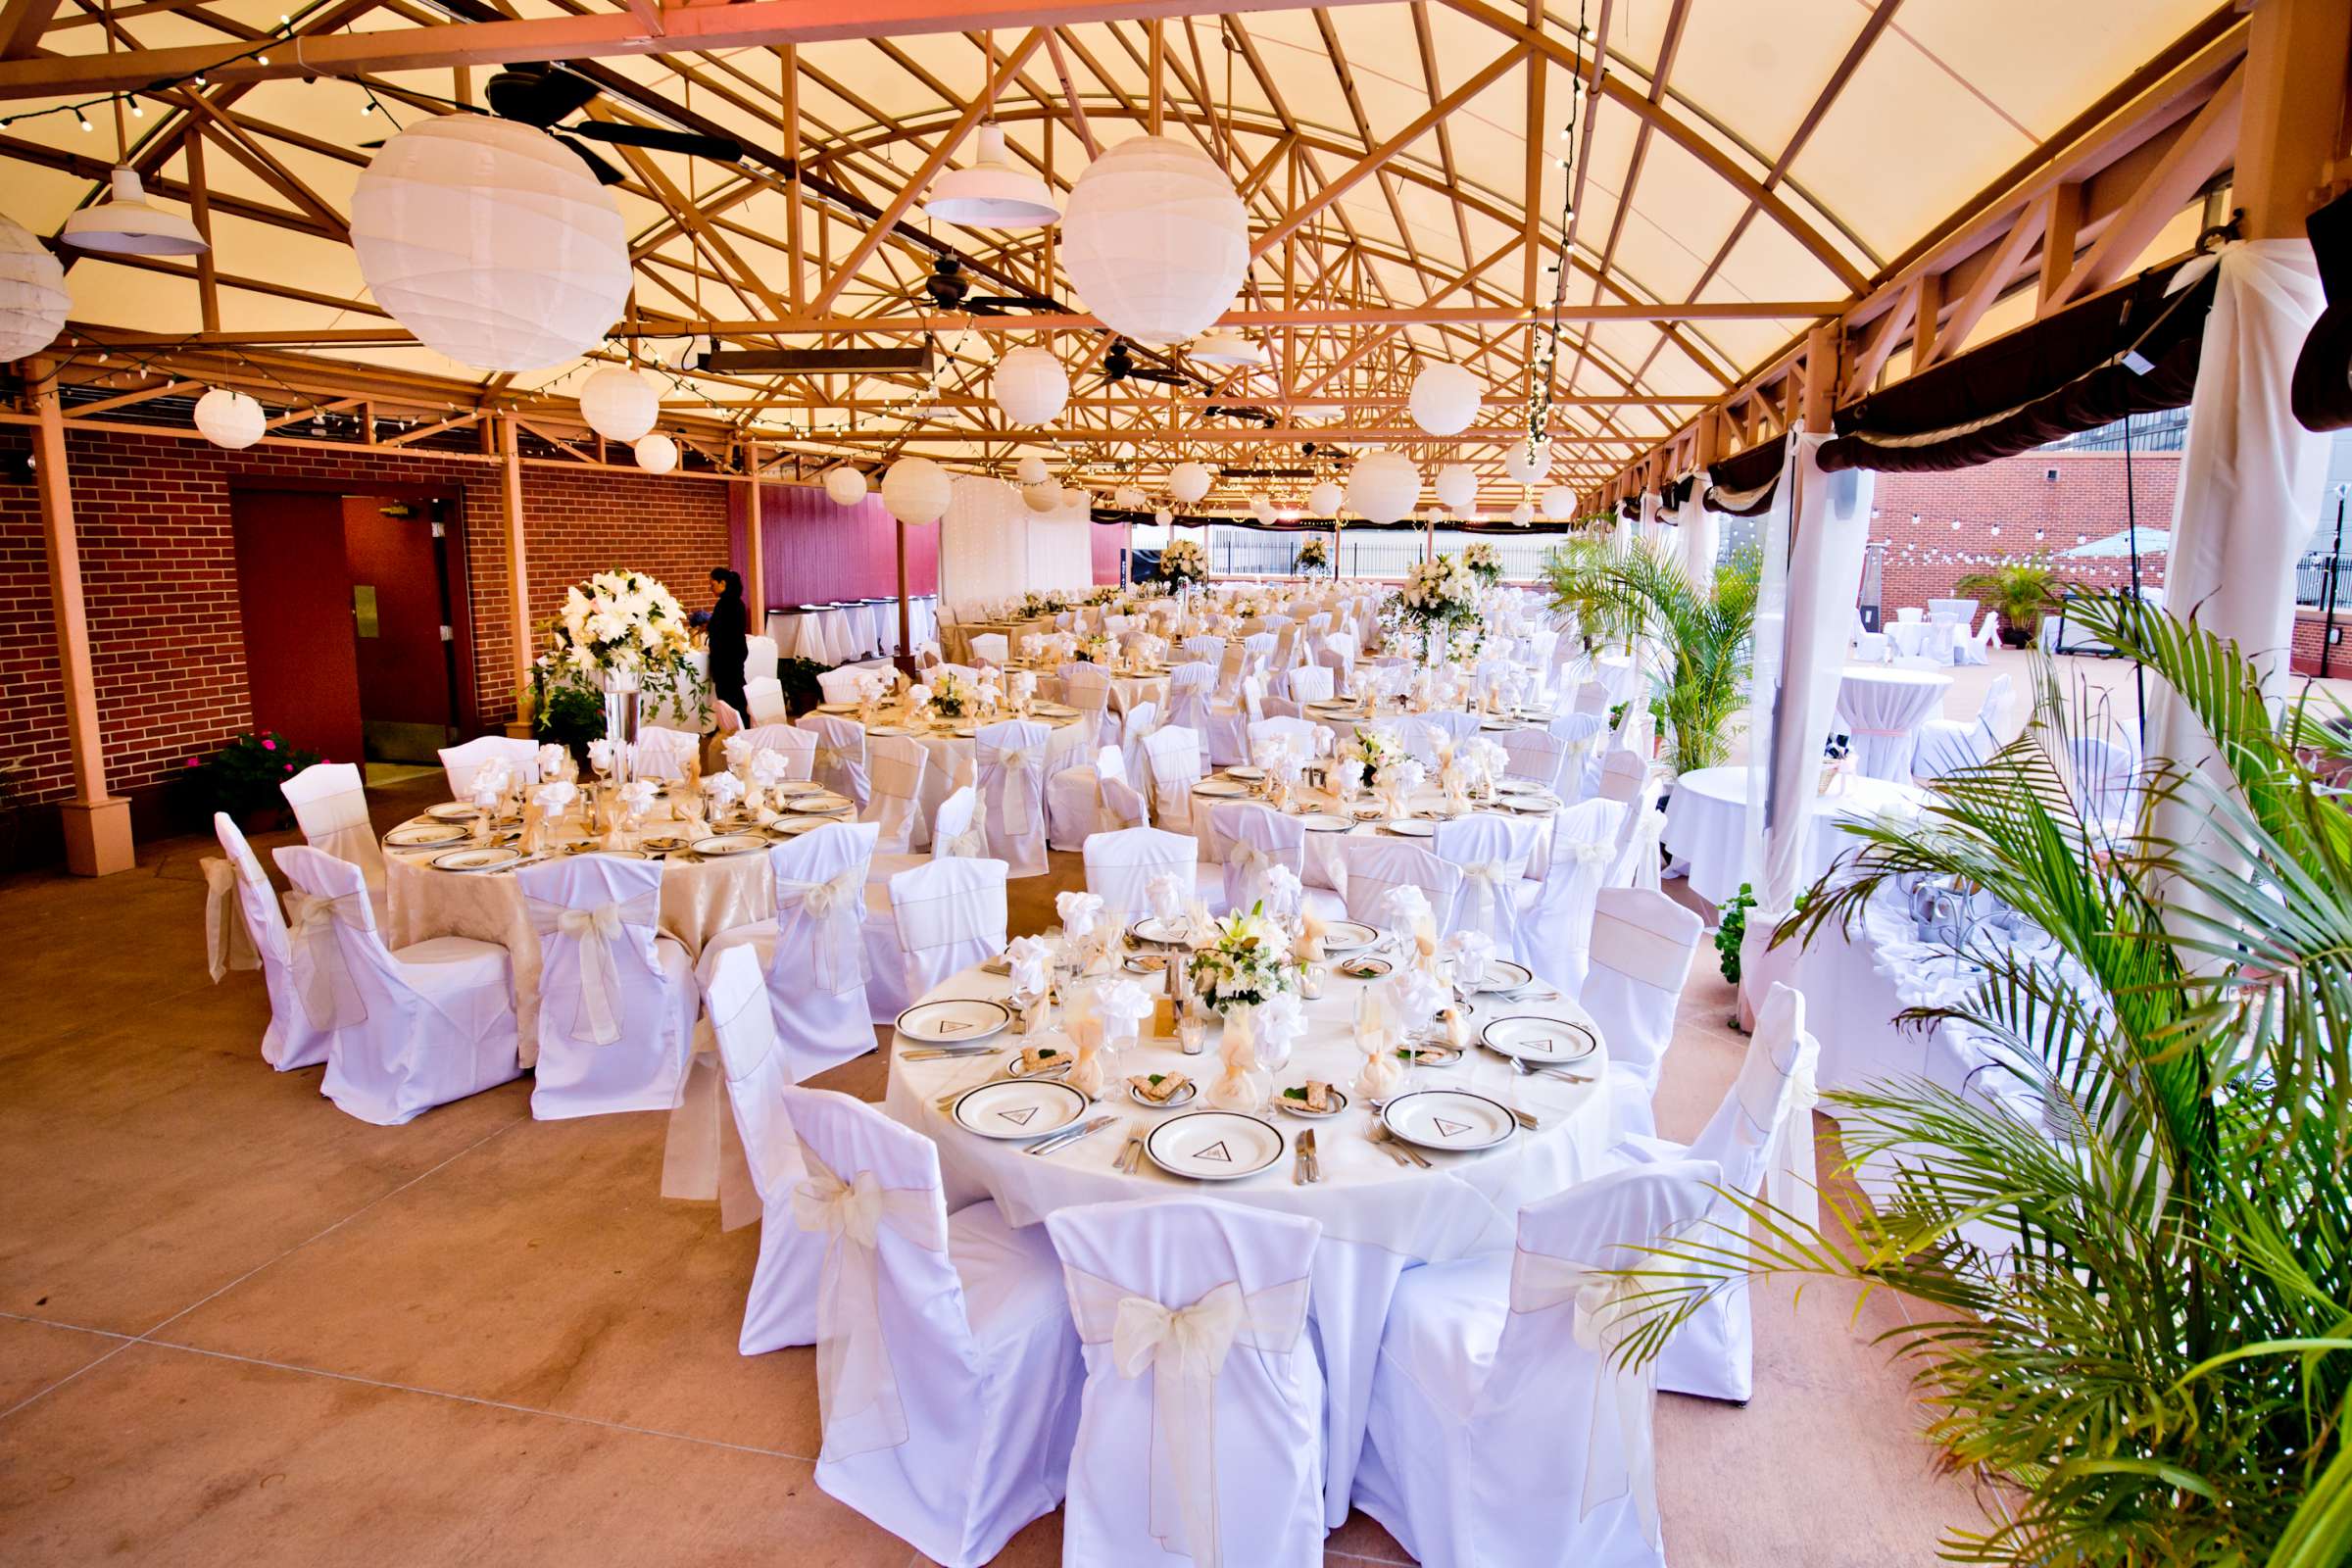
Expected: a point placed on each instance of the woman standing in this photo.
(727, 634)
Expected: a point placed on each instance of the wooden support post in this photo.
(755, 577)
(519, 570)
(2294, 109)
(1820, 404)
(97, 824)
(200, 213)
(905, 659)
(2058, 239)
(1924, 328)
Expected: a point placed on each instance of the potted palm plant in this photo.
(1628, 591)
(2019, 591)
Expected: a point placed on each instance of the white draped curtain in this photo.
(992, 545)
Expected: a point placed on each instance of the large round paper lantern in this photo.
(656, 453)
(491, 241)
(229, 419)
(618, 404)
(1043, 496)
(1456, 486)
(33, 301)
(1523, 515)
(1030, 386)
(1155, 240)
(1525, 465)
(1559, 504)
(1188, 483)
(1031, 471)
(916, 490)
(846, 485)
(1383, 486)
(1444, 399)
(1073, 499)
(1164, 516)
(1326, 499)
(1127, 498)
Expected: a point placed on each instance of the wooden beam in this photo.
(1927, 322)
(2206, 146)
(2059, 225)
(163, 389)
(2294, 113)
(1999, 268)
(1884, 334)
(518, 570)
(21, 24)
(755, 577)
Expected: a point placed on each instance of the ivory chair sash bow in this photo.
(839, 760)
(620, 1039)
(1491, 853)
(796, 745)
(1011, 759)
(857, 1391)
(1644, 944)
(329, 999)
(292, 1039)
(330, 805)
(1558, 924)
(228, 942)
(814, 950)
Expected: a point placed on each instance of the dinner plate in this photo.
(1182, 1097)
(1499, 723)
(888, 730)
(967, 732)
(485, 859)
(791, 787)
(1053, 710)
(1366, 967)
(1539, 1040)
(624, 855)
(723, 845)
(1412, 827)
(959, 1021)
(1324, 822)
(820, 804)
(1530, 806)
(1018, 1108)
(1504, 975)
(785, 827)
(1214, 1146)
(837, 708)
(1152, 928)
(1298, 1106)
(664, 843)
(1518, 786)
(416, 835)
(1248, 774)
(1146, 963)
(453, 812)
(1346, 936)
(1222, 788)
(1452, 1119)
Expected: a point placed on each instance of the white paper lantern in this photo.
(1259, 501)
(1559, 504)
(656, 453)
(916, 490)
(491, 241)
(1164, 516)
(1444, 399)
(1074, 499)
(1188, 483)
(230, 418)
(1030, 385)
(1155, 240)
(1456, 486)
(1326, 499)
(1031, 471)
(846, 485)
(33, 301)
(1127, 498)
(1525, 466)
(618, 404)
(1383, 486)
(1041, 496)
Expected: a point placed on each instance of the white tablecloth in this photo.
(842, 634)
(952, 758)
(1378, 1218)
(1883, 708)
(1919, 639)
(1706, 823)
(1322, 859)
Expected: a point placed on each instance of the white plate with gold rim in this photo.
(1349, 936)
(720, 846)
(1412, 827)
(785, 827)
(796, 786)
(1221, 788)
(1325, 822)
(453, 812)
(488, 858)
(421, 835)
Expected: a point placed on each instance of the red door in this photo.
(294, 592)
(400, 607)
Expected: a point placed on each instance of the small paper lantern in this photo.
(1559, 504)
(33, 301)
(1155, 240)
(1127, 498)
(1188, 483)
(656, 453)
(1261, 502)
(1456, 486)
(1444, 399)
(491, 241)
(1523, 515)
(619, 405)
(916, 490)
(1030, 386)
(846, 485)
(230, 418)
(1043, 496)
(1326, 499)
(1075, 499)
(1383, 486)
(1032, 470)
(1164, 516)
(1525, 465)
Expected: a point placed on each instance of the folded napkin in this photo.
(1472, 952)
(1167, 895)
(738, 750)
(720, 790)
(1406, 906)
(1279, 1022)
(1407, 773)
(638, 795)
(555, 799)
(1123, 1005)
(768, 768)
(919, 695)
(1414, 998)
(1030, 963)
(1023, 685)
(1200, 929)
(1080, 913)
(554, 761)
(600, 755)
(1283, 893)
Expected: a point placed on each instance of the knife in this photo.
(1314, 1161)
(1054, 1142)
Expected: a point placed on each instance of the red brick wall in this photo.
(2000, 507)
(159, 581)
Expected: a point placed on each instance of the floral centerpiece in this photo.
(1482, 563)
(1247, 961)
(1373, 749)
(617, 631)
(952, 695)
(1096, 650)
(1183, 563)
(1313, 555)
(1037, 607)
(1437, 596)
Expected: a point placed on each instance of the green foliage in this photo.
(568, 716)
(799, 679)
(1629, 593)
(243, 777)
(1732, 931)
(2132, 1310)
(2020, 590)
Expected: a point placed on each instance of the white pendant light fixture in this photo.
(1154, 240)
(618, 404)
(1164, 516)
(491, 241)
(1456, 486)
(1030, 385)
(1074, 499)
(229, 419)
(1127, 498)
(1188, 483)
(1383, 486)
(33, 301)
(656, 453)
(1326, 499)
(1559, 504)
(846, 485)
(1032, 470)
(124, 224)
(1221, 347)
(916, 490)
(1444, 399)
(1043, 496)
(1526, 465)
(1523, 515)
(993, 191)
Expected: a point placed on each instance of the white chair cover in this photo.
(330, 807)
(1201, 1437)
(1142, 720)
(842, 684)
(1120, 867)
(1251, 840)
(460, 762)
(759, 658)
(292, 1039)
(1012, 784)
(1087, 687)
(1210, 651)
(408, 1030)
(763, 697)
(2104, 788)
(1503, 1432)
(953, 832)
(1556, 931)
(947, 1372)
(1227, 737)
(1621, 775)
(1298, 734)
(1188, 696)
(1123, 806)
(1976, 648)
(1309, 683)
(1644, 944)
(1491, 853)
(1374, 865)
(780, 1308)
(1580, 736)
(814, 950)
(798, 747)
(896, 765)
(1948, 745)
(1174, 755)
(1761, 1139)
(665, 753)
(1074, 799)
(1537, 756)
(1340, 650)
(944, 916)
(616, 1000)
(839, 763)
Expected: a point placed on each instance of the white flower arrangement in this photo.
(1247, 961)
(623, 629)
(1373, 749)
(1183, 563)
(951, 695)
(1097, 649)
(1037, 607)
(1314, 555)
(1482, 562)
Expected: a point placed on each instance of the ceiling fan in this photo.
(539, 95)
(1118, 365)
(950, 290)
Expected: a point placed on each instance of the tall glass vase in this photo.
(621, 695)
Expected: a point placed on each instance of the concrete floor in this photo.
(240, 1328)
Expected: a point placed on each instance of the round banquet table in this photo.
(1127, 690)
(953, 756)
(1706, 823)
(1379, 1218)
(1322, 859)
(1882, 706)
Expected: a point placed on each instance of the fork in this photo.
(1527, 1069)
(1132, 1155)
(1390, 1141)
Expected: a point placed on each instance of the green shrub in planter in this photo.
(242, 777)
(1732, 930)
